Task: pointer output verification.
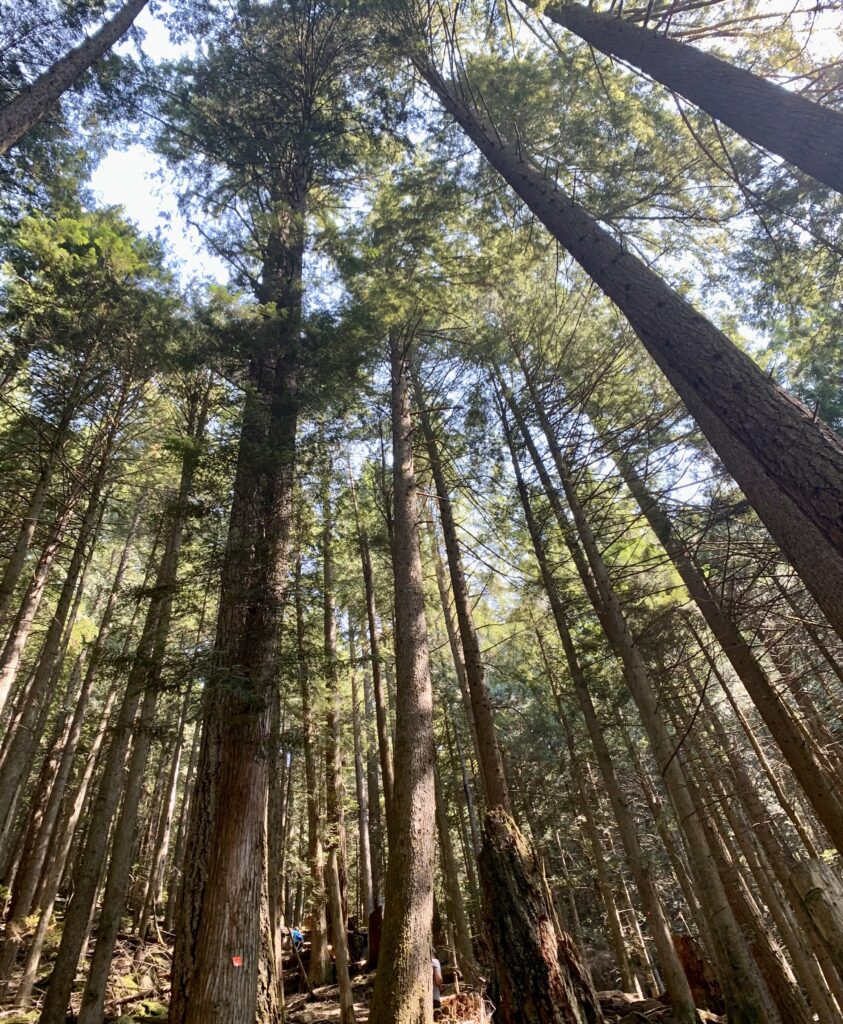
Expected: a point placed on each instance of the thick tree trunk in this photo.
(542, 980)
(403, 993)
(804, 133)
(216, 966)
(30, 105)
(792, 456)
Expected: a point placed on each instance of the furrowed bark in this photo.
(772, 445)
(33, 102)
(806, 134)
(403, 994)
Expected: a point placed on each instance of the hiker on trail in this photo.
(297, 938)
(437, 982)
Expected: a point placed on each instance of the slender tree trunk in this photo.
(340, 939)
(737, 977)
(488, 752)
(19, 752)
(782, 457)
(374, 799)
(456, 649)
(804, 133)
(33, 102)
(818, 787)
(674, 976)
(320, 962)
(403, 993)
(363, 847)
(450, 876)
(177, 870)
(588, 804)
(158, 859)
(377, 674)
(334, 789)
(143, 683)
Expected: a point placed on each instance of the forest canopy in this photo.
(422, 536)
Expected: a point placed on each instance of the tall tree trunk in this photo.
(18, 756)
(143, 683)
(774, 447)
(674, 976)
(377, 673)
(334, 789)
(177, 867)
(363, 846)
(219, 941)
(488, 752)
(340, 938)
(320, 960)
(818, 787)
(374, 799)
(737, 977)
(804, 133)
(450, 876)
(403, 993)
(30, 105)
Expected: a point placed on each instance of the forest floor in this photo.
(139, 988)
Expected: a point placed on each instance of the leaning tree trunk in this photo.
(542, 980)
(804, 133)
(736, 975)
(403, 993)
(772, 445)
(30, 105)
(817, 785)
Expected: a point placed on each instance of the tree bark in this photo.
(450, 876)
(340, 939)
(772, 445)
(377, 674)
(737, 978)
(488, 752)
(674, 976)
(320, 962)
(804, 133)
(364, 847)
(542, 980)
(403, 994)
(30, 105)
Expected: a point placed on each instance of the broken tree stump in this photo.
(540, 975)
